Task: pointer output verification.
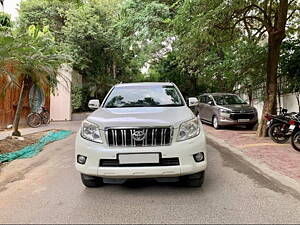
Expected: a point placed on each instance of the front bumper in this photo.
(184, 151)
(226, 121)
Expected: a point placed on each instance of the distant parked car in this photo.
(223, 109)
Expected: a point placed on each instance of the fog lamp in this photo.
(199, 157)
(81, 159)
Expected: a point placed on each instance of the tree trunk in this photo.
(16, 131)
(250, 95)
(276, 35)
(19, 110)
(298, 101)
(271, 84)
(114, 69)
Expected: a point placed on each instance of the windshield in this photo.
(143, 96)
(228, 100)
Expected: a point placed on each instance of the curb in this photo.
(285, 182)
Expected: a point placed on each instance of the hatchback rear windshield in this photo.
(144, 96)
(228, 100)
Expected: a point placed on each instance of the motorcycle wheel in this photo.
(34, 120)
(295, 140)
(278, 134)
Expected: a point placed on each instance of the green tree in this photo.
(202, 24)
(91, 40)
(51, 13)
(143, 28)
(5, 21)
(35, 58)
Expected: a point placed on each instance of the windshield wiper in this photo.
(169, 105)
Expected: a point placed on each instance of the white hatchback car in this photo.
(142, 130)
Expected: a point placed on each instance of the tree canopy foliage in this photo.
(29, 57)
(202, 46)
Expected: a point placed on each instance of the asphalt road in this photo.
(47, 189)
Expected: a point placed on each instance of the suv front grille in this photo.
(139, 137)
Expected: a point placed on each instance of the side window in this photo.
(209, 99)
(203, 99)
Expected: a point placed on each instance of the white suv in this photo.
(142, 130)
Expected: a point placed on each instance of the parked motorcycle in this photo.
(279, 128)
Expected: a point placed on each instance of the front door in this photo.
(203, 107)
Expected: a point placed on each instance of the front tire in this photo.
(277, 134)
(194, 180)
(91, 181)
(215, 122)
(295, 140)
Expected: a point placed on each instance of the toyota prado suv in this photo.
(142, 130)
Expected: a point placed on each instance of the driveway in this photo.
(47, 189)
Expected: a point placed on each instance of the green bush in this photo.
(79, 99)
(5, 20)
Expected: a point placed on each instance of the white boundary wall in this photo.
(11, 7)
(60, 101)
(288, 101)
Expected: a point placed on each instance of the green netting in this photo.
(32, 150)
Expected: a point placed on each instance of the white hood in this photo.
(141, 116)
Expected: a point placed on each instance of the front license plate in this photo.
(138, 158)
(243, 120)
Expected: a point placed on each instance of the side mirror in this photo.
(94, 104)
(193, 101)
(211, 103)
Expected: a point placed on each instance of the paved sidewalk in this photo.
(73, 125)
(68, 125)
(277, 158)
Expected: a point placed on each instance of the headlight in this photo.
(224, 112)
(189, 129)
(91, 132)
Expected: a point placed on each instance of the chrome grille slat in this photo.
(116, 137)
(122, 136)
(155, 132)
(153, 136)
(125, 138)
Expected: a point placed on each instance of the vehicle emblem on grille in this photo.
(138, 135)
